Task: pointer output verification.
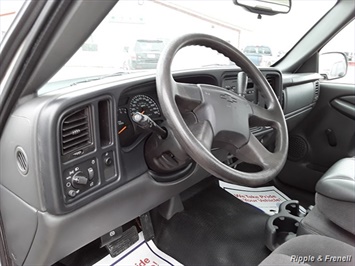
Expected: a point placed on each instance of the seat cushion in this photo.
(341, 213)
(339, 181)
(335, 197)
(312, 250)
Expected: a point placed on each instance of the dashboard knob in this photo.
(79, 179)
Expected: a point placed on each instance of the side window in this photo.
(343, 42)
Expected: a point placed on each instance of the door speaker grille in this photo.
(297, 149)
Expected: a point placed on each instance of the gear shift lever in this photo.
(242, 82)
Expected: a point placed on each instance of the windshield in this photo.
(8, 12)
(148, 46)
(257, 50)
(132, 36)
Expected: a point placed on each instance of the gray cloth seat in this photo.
(312, 250)
(334, 211)
(335, 196)
(338, 182)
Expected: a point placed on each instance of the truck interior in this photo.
(89, 161)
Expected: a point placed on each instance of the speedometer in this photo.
(144, 105)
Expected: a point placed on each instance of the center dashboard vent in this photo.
(76, 132)
(272, 81)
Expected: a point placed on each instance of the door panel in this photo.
(345, 107)
(324, 137)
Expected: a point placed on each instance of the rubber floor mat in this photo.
(214, 229)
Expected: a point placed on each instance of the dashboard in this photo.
(92, 146)
(80, 156)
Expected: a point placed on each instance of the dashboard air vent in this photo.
(271, 80)
(22, 161)
(283, 100)
(75, 131)
(316, 91)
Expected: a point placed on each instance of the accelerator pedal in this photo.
(147, 226)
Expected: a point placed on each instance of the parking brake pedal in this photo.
(117, 241)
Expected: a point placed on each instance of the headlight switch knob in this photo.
(79, 179)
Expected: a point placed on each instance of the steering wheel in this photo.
(222, 117)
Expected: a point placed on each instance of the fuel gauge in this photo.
(125, 128)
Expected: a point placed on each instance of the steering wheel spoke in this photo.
(255, 153)
(203, 132)
(187, 96)
(261, 116)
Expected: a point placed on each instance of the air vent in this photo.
(316, 91)
(75, 130)
(283, 100)
(22, 161)
(272, 81)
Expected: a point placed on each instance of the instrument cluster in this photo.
(127, 131)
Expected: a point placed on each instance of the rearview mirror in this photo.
(265, 7)
(333, 65)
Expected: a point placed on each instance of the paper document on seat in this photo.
(267, 199)
(140, 254)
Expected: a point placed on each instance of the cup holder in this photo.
(284, 225)
(292, 207)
